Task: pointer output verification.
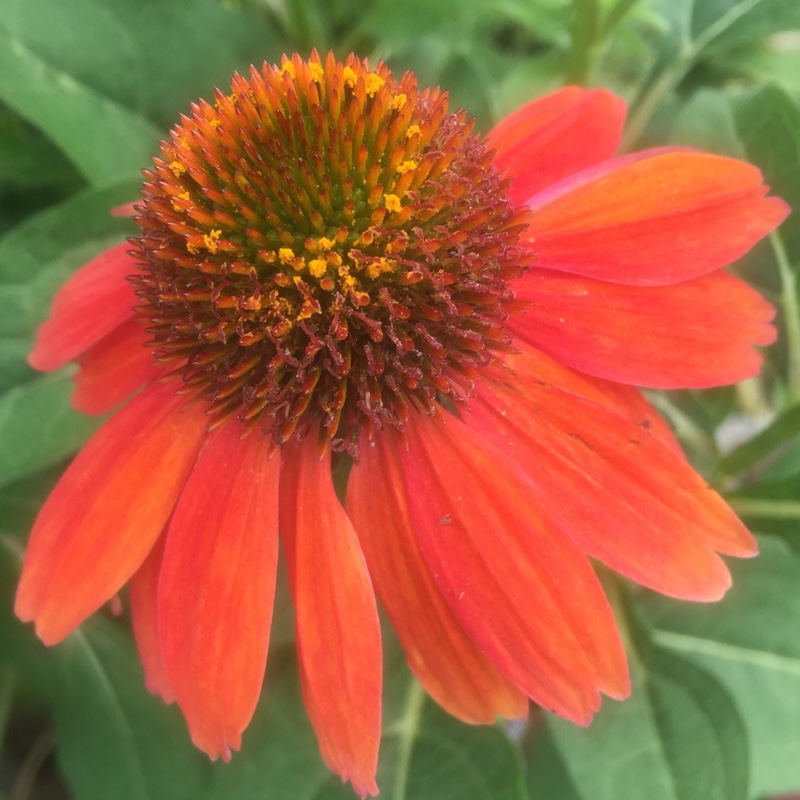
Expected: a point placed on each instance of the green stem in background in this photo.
(645, 106)
(615, 16)
(7, 686)
(791, 312)
(406, 729)
(306, 27)
(767, 509)
(583, 40)
(686, 429)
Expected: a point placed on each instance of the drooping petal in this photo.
(113, 369)
(623, 496)
(439, 652)
(105, 514)
(696, 334)
(516, 582)
(94, 301)
(654, 220)
(143, 596)
(217, 584)
(338, 633)
(555, 136)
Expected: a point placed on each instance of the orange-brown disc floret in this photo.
(326, 244)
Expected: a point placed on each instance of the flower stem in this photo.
(673, 73)
(406, 729)
(791, 311)
(615, 16)
(583, 40)
(769, 509)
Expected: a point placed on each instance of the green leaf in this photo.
(768, 121)
(707, 122)
(678, 737)
(42, 252)
(778, 436)
(749, 642)
(38, 428)
(103, 139)
(722, 23)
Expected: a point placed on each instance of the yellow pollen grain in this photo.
(373, 83)
(411, 130)
(318, 267)
(380, 266)
(349, 76)
(392, 202)
(325, 244)
(214, 123)
(406, 166)
(316, 71)
(177, 168)
(210, 240)
(184, 196)
(287, 68)
(286, 255)
(398, 101)
(192, 248)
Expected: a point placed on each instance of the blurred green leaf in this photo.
(28, 158)
(102, 78)
(749, 642)
(42, 252)
(678, 737)
(428, 755)
(20, 501)
(706, 121)
(768, 121)
(37, 426)
(722, 23)
(103, 139)
(779, 435)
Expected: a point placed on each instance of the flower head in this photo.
(331, 265)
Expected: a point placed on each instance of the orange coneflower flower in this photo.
(332, 268)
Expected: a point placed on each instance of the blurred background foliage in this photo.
(87, 88)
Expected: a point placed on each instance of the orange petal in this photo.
(555, 136)
(105, 514)
(143, 594)
(444, 659)
(623, 496)
(113, 369)
(517, 584)
(695, 334)
(88, 306)
(217, 586)
(338, 633)
(653, 218)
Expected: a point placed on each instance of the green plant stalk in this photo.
(583, 40)
(673, 73)
(406, 729)
(767, 509)
(791, 312)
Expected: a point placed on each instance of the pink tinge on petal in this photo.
(89, 306)
(516, 582)
(126, 210)
(694, 334)
(143, 596)
(623, 496)
(556, 135)
(440, 653)
(105, 514)
(338, 632)
(664, 218)
(113, 369)
(217, 585)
